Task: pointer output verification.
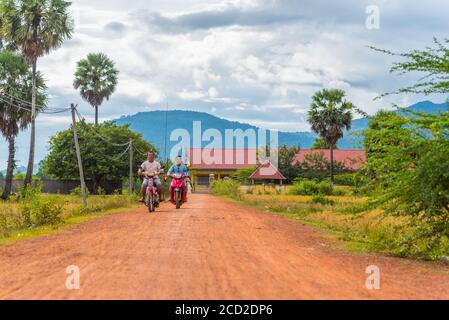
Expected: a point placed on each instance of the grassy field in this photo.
(367, 231)
(68, 210)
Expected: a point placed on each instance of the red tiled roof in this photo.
(222, 159)
(352, 159)
(267, 171)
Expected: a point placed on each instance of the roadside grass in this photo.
(72, 212)
(363, 232)
(347, 216)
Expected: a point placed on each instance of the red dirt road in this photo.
(211, 249)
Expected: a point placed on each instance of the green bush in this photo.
(229, 188)
(345, 179)
(310, 188)
(77, 192)
(320, 199)
(37, 210)
(8, 222)
(338, 192)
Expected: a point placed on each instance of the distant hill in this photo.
(152, 126)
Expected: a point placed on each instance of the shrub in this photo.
(310, 188)
(345, 179)
(77, 192)
(338, 192)
(320, 199)
(101, 191)
(8, 222)
(229, 188)
(40, 212)
(36, 210)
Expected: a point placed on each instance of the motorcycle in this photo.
(151, 195)
(178, 189)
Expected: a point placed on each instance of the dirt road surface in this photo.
(210, 249)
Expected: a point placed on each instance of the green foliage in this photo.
(409, 164)
(36, 27)
(228, 188)
(16, 88)
(354, 179)
(96, 77)
(76, 192)
(35, 210)
(99, 157)
(310, 188)
(288, 169)
(330, 115)
(8, 222)
(242, 175)
(320, 144)
(320, 199)
(316, 166)
(19, 176)
(101, 191)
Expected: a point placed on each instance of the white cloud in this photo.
(259, 59)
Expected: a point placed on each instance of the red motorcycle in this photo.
(178, 189)
(151, 195)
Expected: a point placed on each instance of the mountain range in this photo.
(152, 126)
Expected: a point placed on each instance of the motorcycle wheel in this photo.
(150, 203)
(178, 199)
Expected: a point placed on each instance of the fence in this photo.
(66, 186)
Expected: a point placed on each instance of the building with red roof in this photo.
(267, 171)
(350, 159)
(220, 163)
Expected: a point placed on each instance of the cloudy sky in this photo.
(255, 61)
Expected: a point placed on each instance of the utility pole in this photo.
(78, 156)
(165, 137)
(131, 166)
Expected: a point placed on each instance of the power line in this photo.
(82, 120)
(14, 105)
(30, 104)
(122, 154)
(56, 110)
(139, 152)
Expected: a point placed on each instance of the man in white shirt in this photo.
(150, 166)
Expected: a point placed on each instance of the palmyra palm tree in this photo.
(330, 115)
(36, 27)
(96, 78)
(15, 114)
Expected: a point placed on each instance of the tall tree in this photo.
(330, 115)
(96, 78)
(36, 27)
(15, 114)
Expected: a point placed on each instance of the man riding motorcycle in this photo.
(150, 166)
(179, 168)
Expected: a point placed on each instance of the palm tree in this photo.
(15, 90)
(96, 78)
(36, 27)
(329, 115)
